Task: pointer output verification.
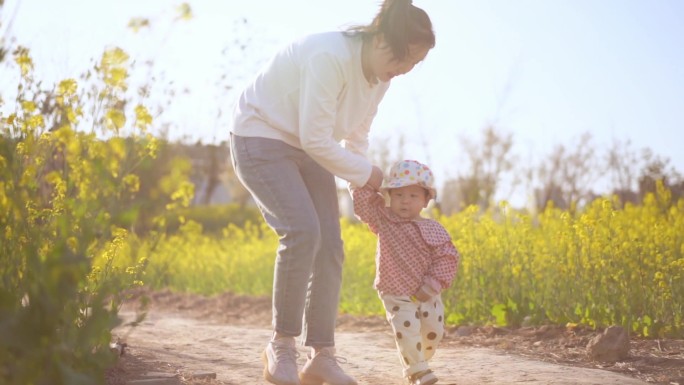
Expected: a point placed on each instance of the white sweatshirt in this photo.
(313, 95)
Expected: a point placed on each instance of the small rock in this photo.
(610, 346)
(464, 331)
(155, 381)
(527, 322)
(160, 375)
(203, 375)
(156, 378)
(118, 348)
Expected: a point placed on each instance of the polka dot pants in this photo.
(418, 328)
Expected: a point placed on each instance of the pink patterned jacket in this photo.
(410, 253)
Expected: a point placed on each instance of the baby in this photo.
(415, 261)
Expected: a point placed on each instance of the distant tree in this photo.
(487, 162)
(623, 166)
(567, 175)
(449, 198)
(385, 152)
(656, 169)
(213, 170)
(207, 168)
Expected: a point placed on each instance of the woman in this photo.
(303, 120)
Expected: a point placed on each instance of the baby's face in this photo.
(407, 202)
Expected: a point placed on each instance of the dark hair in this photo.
(401, 24)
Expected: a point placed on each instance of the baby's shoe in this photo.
(280, 362)
(426, 377)
(323, 368)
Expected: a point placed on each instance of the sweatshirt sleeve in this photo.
(358, 140)
(321, 81)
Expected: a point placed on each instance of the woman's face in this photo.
(408, 201)
(384, 66)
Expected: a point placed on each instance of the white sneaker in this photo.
(323, 368)
(280, 362)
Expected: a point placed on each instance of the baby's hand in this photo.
(422, 295)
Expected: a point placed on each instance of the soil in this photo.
(187, 336)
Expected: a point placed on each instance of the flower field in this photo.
(606, 265)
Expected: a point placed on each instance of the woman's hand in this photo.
(375, 180)
(377, 199)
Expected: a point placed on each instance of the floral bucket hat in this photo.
(409, 172)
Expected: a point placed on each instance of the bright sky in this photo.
(545, 71)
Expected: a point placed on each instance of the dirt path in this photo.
(233, 353)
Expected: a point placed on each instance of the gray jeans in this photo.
(298, 199)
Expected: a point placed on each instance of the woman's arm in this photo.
(322, 79)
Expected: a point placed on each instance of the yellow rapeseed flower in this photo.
(22, 58)
(184, 11)
(142, 117)
(132, 183)
(67, 87)
(138, 23)
(114, 57)
(115, 119)
(28, 106)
